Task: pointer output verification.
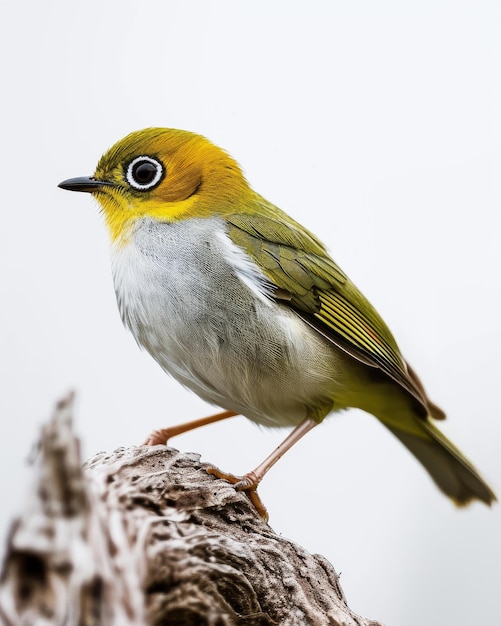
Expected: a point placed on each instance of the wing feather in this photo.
(309, 281)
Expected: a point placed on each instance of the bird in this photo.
(246, 308)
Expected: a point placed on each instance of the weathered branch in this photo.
(145, 536)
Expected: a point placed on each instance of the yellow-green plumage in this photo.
(207, 269)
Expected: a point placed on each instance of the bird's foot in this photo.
(247, 483)
(158, 437)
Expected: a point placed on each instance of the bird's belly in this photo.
(189, 308)
(255, 372)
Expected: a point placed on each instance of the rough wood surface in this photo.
(145, 536)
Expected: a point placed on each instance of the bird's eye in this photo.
(144, 173)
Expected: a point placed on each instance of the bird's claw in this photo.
(158, 437)
(247, 483)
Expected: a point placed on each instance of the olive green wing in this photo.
(309, 281)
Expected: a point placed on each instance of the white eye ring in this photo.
(144, 173)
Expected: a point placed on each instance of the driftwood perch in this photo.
(145, 536)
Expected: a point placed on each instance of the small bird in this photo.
(245, 307)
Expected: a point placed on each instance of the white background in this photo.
(376, 124)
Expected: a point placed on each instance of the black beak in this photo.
(84, 183)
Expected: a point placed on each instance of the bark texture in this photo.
(145, 536)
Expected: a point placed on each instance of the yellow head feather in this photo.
(198, 179)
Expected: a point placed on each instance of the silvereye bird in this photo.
(245, 307)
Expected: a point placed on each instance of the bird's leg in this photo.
(249, 482)
(161, 436)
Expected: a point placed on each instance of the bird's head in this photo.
(164, 174)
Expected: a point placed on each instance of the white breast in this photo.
(200, 306)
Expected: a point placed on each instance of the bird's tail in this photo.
(450, 470)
